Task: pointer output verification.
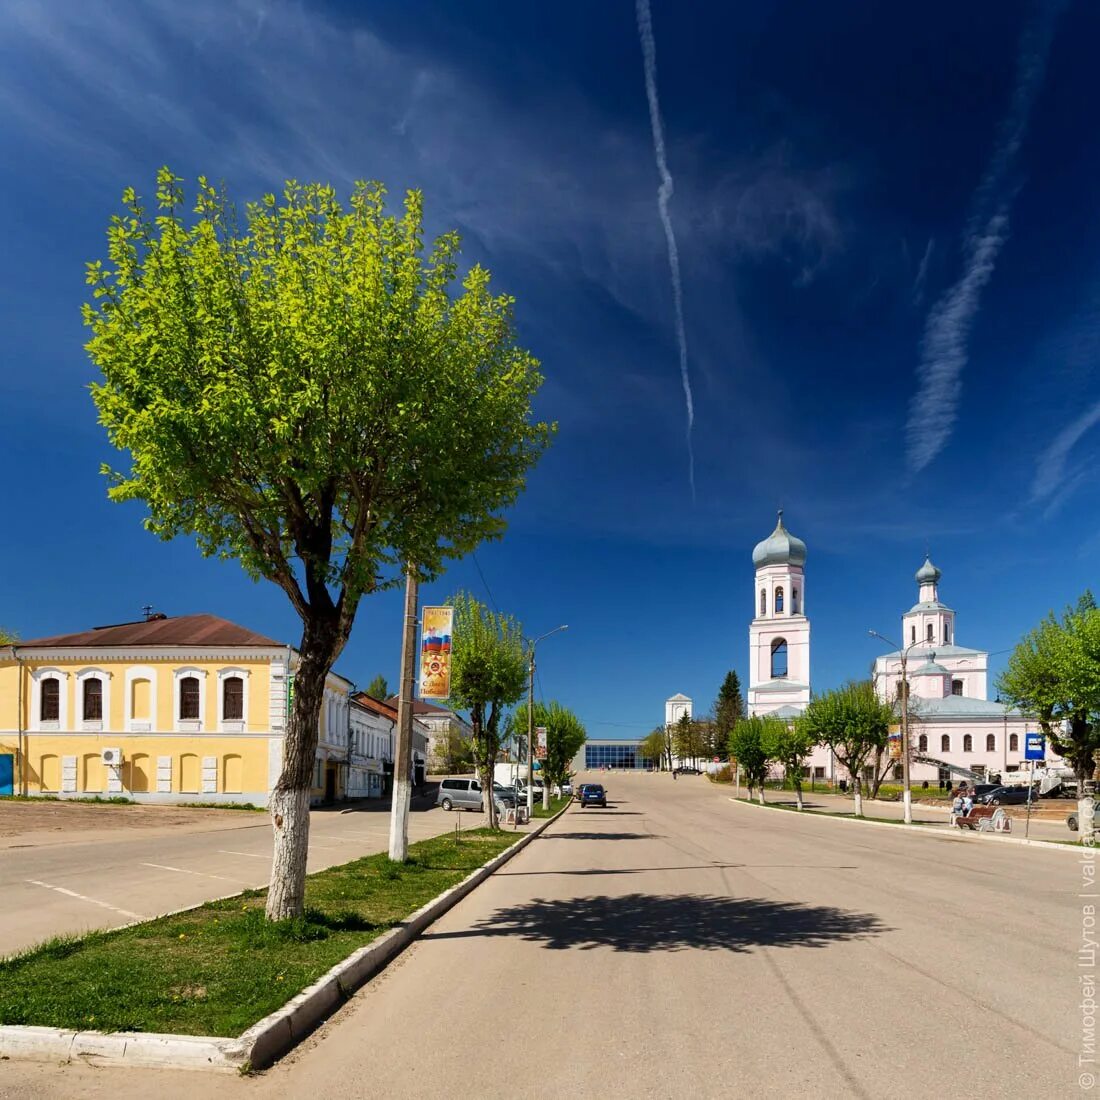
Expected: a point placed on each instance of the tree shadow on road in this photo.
(597, 836)
(673, 922)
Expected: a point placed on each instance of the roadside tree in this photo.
(729, 709)
(752, 745)
(1054, 673)
(853, 722)
(488, 675)
(378, 688)
(689, 739)
(565, 737)
(792, 744)
(652, 746)
(308, 391)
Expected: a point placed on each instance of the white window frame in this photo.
(231, 725)
(92, 725)
(141, 725)
(188, 725)
(49, 673)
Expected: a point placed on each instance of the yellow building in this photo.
(185, 709)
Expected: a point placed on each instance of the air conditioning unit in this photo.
(112, 757)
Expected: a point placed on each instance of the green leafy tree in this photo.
(378, 688)
(752, 745)
(791, 746)
(8, 637)
(488, 675)
(308, 391)
(565, 737)
(1054, 673)
(652, 746)
(854, 723)
(689, 739)
(729, 709)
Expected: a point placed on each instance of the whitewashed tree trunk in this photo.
(857, 793)
(760, 794)
(545, 793)
(798, 793)
(290, 818)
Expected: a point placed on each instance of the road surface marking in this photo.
(251, 855)
(83, 897)
(184, 871)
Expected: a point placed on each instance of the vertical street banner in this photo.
(540, 734)
(895, 743)
(435, 652)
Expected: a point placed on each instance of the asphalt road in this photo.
(114, 878)
(680, 944)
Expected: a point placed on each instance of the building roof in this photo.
(779, 548)
(375, 706)
(679, 697)
(178, 630)
(928, 573)
(939, 650)
(785, 711)
(930, 668)
(780, 686)
(961, 706)
(929, 605)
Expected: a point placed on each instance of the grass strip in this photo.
(555, 805)
(217, 969)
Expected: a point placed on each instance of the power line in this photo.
(488, 590)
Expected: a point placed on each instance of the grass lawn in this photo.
(217, 969)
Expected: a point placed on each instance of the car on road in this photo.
(593, 794)
(1008, 796)
(1073, 821)
(466, 794)
(566, 789)
(982, 789)
(686, 769)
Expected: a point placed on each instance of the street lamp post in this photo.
(531, 718)
(906, 788)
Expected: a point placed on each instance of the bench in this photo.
(984, 819)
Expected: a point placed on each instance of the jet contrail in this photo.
(664, 194)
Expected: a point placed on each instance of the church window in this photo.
(931, 633)
(956, 687)
(912, 634)
(990, 743)
(1013, 742)
(968, 743)
(945, 743)
(779, 601)
(779, 658)
(946, 633)
(922, 743)
(794, 601)
(763, 603)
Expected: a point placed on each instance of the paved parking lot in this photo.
(69, 867)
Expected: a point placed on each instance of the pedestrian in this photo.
(968, 803)
(957, 805)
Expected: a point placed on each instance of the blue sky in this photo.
(887, 235)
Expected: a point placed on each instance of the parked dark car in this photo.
(686, 769)
(593, 794)
(1008, 796)
(982, 789)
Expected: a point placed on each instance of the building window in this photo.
(794, 601)
(946, 634)
(990, 743)
(931, 633)
(232, 698)
(763, 603)
(968, 743)
(922, 743)
(779, 658)
(50, 710)
(945, 743)
(189, 698)
(912, 634)
(1013, 742)
(93, 699)
(956, 687)
(779, 601)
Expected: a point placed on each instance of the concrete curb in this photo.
(957, 836)
(272, 1036)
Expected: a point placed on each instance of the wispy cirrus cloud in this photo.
(945, 343)
(1051, 483)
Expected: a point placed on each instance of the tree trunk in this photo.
(289, 804)
(857, 794)
(798, 791)
(760, 793)
(545, 790)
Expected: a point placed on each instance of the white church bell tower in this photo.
(779, 636)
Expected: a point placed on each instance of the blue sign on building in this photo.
(1033, 747)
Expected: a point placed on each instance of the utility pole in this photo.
(906, 786)
(531, 720)
(402, 756)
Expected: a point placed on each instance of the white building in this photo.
(779, 635)
(675, 709)
(955, 729)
